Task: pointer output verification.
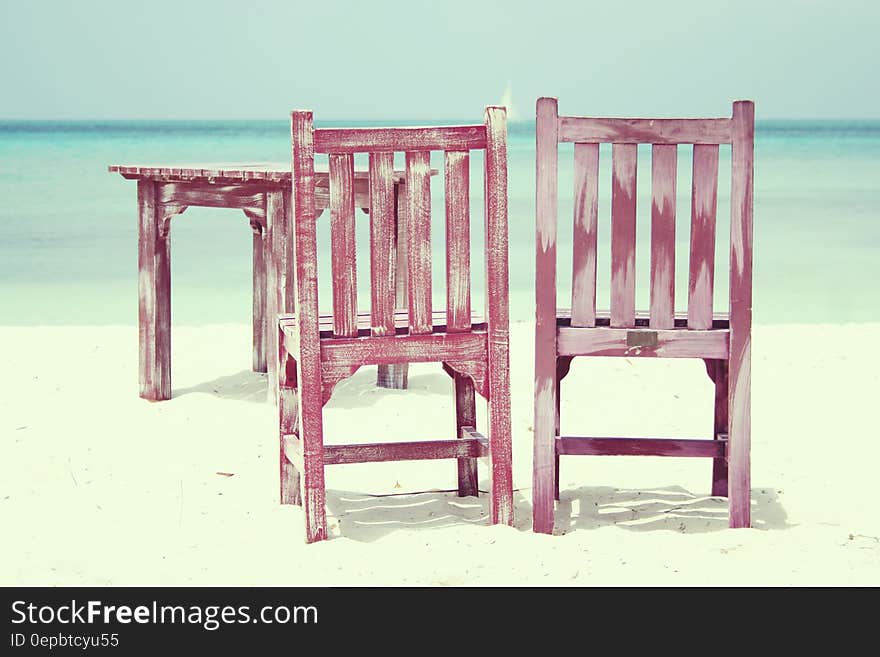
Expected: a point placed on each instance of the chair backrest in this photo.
(664, 135)
(341, 144)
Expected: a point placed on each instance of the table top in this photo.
(266, 172)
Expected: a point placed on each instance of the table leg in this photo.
(259, 319)
(279, 277)
(396, 376)
(154, 296)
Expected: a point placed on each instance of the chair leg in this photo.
(739, 440)
(312, 437)
(465, 416)
(288, 421)
(314, 494)
(563, 366)
(544, 448)
(719, 465)
(555, 453)
(500, 447)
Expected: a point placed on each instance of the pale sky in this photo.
(224, 59)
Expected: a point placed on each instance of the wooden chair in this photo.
(316, 352)
(721, 340)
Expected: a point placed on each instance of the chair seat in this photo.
(642, 340)
(287, 323)
(467, 350)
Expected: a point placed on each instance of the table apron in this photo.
(247, 197)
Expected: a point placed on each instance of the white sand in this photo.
(100, 487)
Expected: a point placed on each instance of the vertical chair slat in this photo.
(418, 183)
(623, 234)
(382, 252)
(586, 206)
(458, 273)
(546, 179)
(396, 376)
(739, 374)
(498, 317)
(342, 245)
(458, 297)
(664, 165)
(704, 202)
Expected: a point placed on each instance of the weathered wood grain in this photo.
(570, 445)
(279, 274)
(396, 376)
(412, 348)
(342, 244)
(644, 131)
(332, 374)
(668, 343)
(306, 309)
(262, 174)
(467, 448)
(721, 339)
(664, 165)
(498, 317)
(154, 294)
(465, 416)
(251, 199)
(476, 370)
(418, 236)
(704, 203)
(458, 241)
(475, 353)
(240, 185)
(260, 248)
(288, 423)
(603, 318)
(586, 212)
(623, 234)
(389, 140)
(458, 299)
(741, 210)
(546, 172)
(401, 322)
(247, 187)
(382, 238)
(563, 365)
(718, 373)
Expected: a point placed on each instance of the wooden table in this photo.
(263, 192)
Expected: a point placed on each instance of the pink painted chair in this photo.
(316, 352)
(721, 340)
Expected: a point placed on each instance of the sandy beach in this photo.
(100, 487)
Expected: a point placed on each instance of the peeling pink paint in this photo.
(325, 350)
(722, 340)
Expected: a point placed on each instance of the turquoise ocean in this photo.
(68, 228)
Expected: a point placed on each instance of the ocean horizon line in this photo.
(263, 128)
(414, 121)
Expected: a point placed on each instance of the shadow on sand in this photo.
(243, 386)
(367, 518)
(360, 390)
(669, 508)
